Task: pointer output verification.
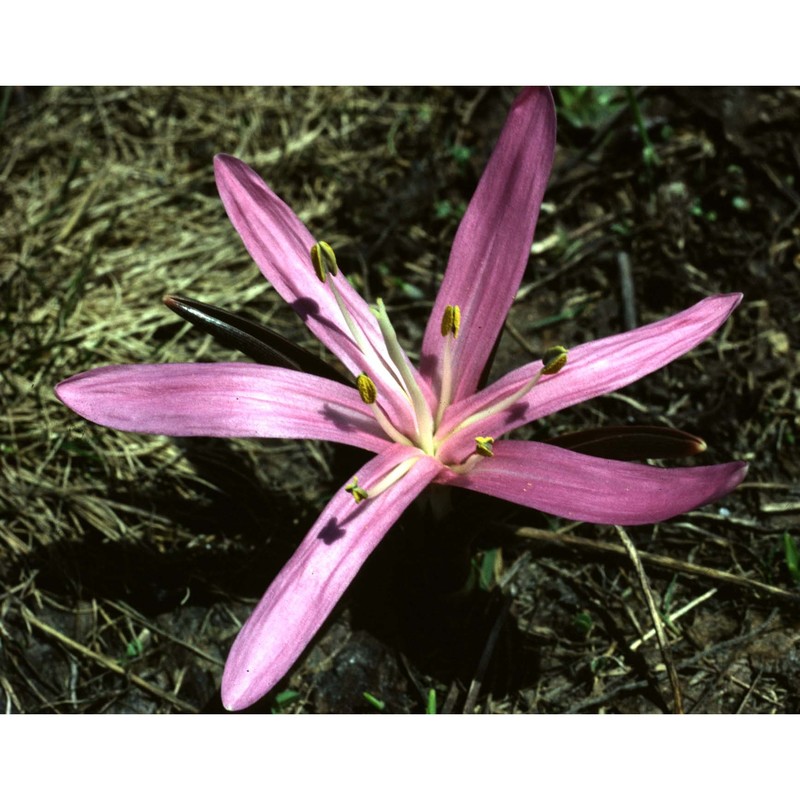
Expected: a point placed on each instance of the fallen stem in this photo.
(674, 615)
(660, 562)
(663, 644)
(107, 663)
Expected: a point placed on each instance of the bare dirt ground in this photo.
(128, 563)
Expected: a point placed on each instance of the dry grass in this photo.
(129, 562)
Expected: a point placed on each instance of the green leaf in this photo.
(430, 708)
(372, 700)
(792, 556)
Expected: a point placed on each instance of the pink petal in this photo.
(222, 400)
(305, 591)
(590, 489)
(280, 244)
(593, 369)
(492, 246)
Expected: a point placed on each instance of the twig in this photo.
(750, 689)
(480, 672)
(450, 700)
(693, 660)
(124, 608)
(655, 616)
(661, 562)
(676, 615)
(11, 696)
(626, 290)
(108, 663)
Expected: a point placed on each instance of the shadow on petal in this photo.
(332, 531)
(305, 307)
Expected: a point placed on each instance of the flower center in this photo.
(394, 365)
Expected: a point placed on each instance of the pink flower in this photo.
(425, 424)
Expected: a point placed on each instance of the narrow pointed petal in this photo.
(280, 244)
(493, 242)
(222, 400)
(590, 489)
(593, 369)
(305, 591)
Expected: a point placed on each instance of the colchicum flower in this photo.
(426, 424)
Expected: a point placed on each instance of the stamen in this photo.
(451, 322)
(388, 480)
(366, 388)
(392, 477)
(324, 260)
(354, 489)
(368, 392)
(554, 359)
(466, 466)
(483, 446)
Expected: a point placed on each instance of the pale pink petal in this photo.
(305, 591)
(593, 369)
(280, 244)
(591, 489)
(222, 400)
(493, 242)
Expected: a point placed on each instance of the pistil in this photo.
(398, 357)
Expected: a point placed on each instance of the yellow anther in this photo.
(324, 260)
(483, 446)
(554, 359)
(451, 321)
(354, 489)
(366, 388)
